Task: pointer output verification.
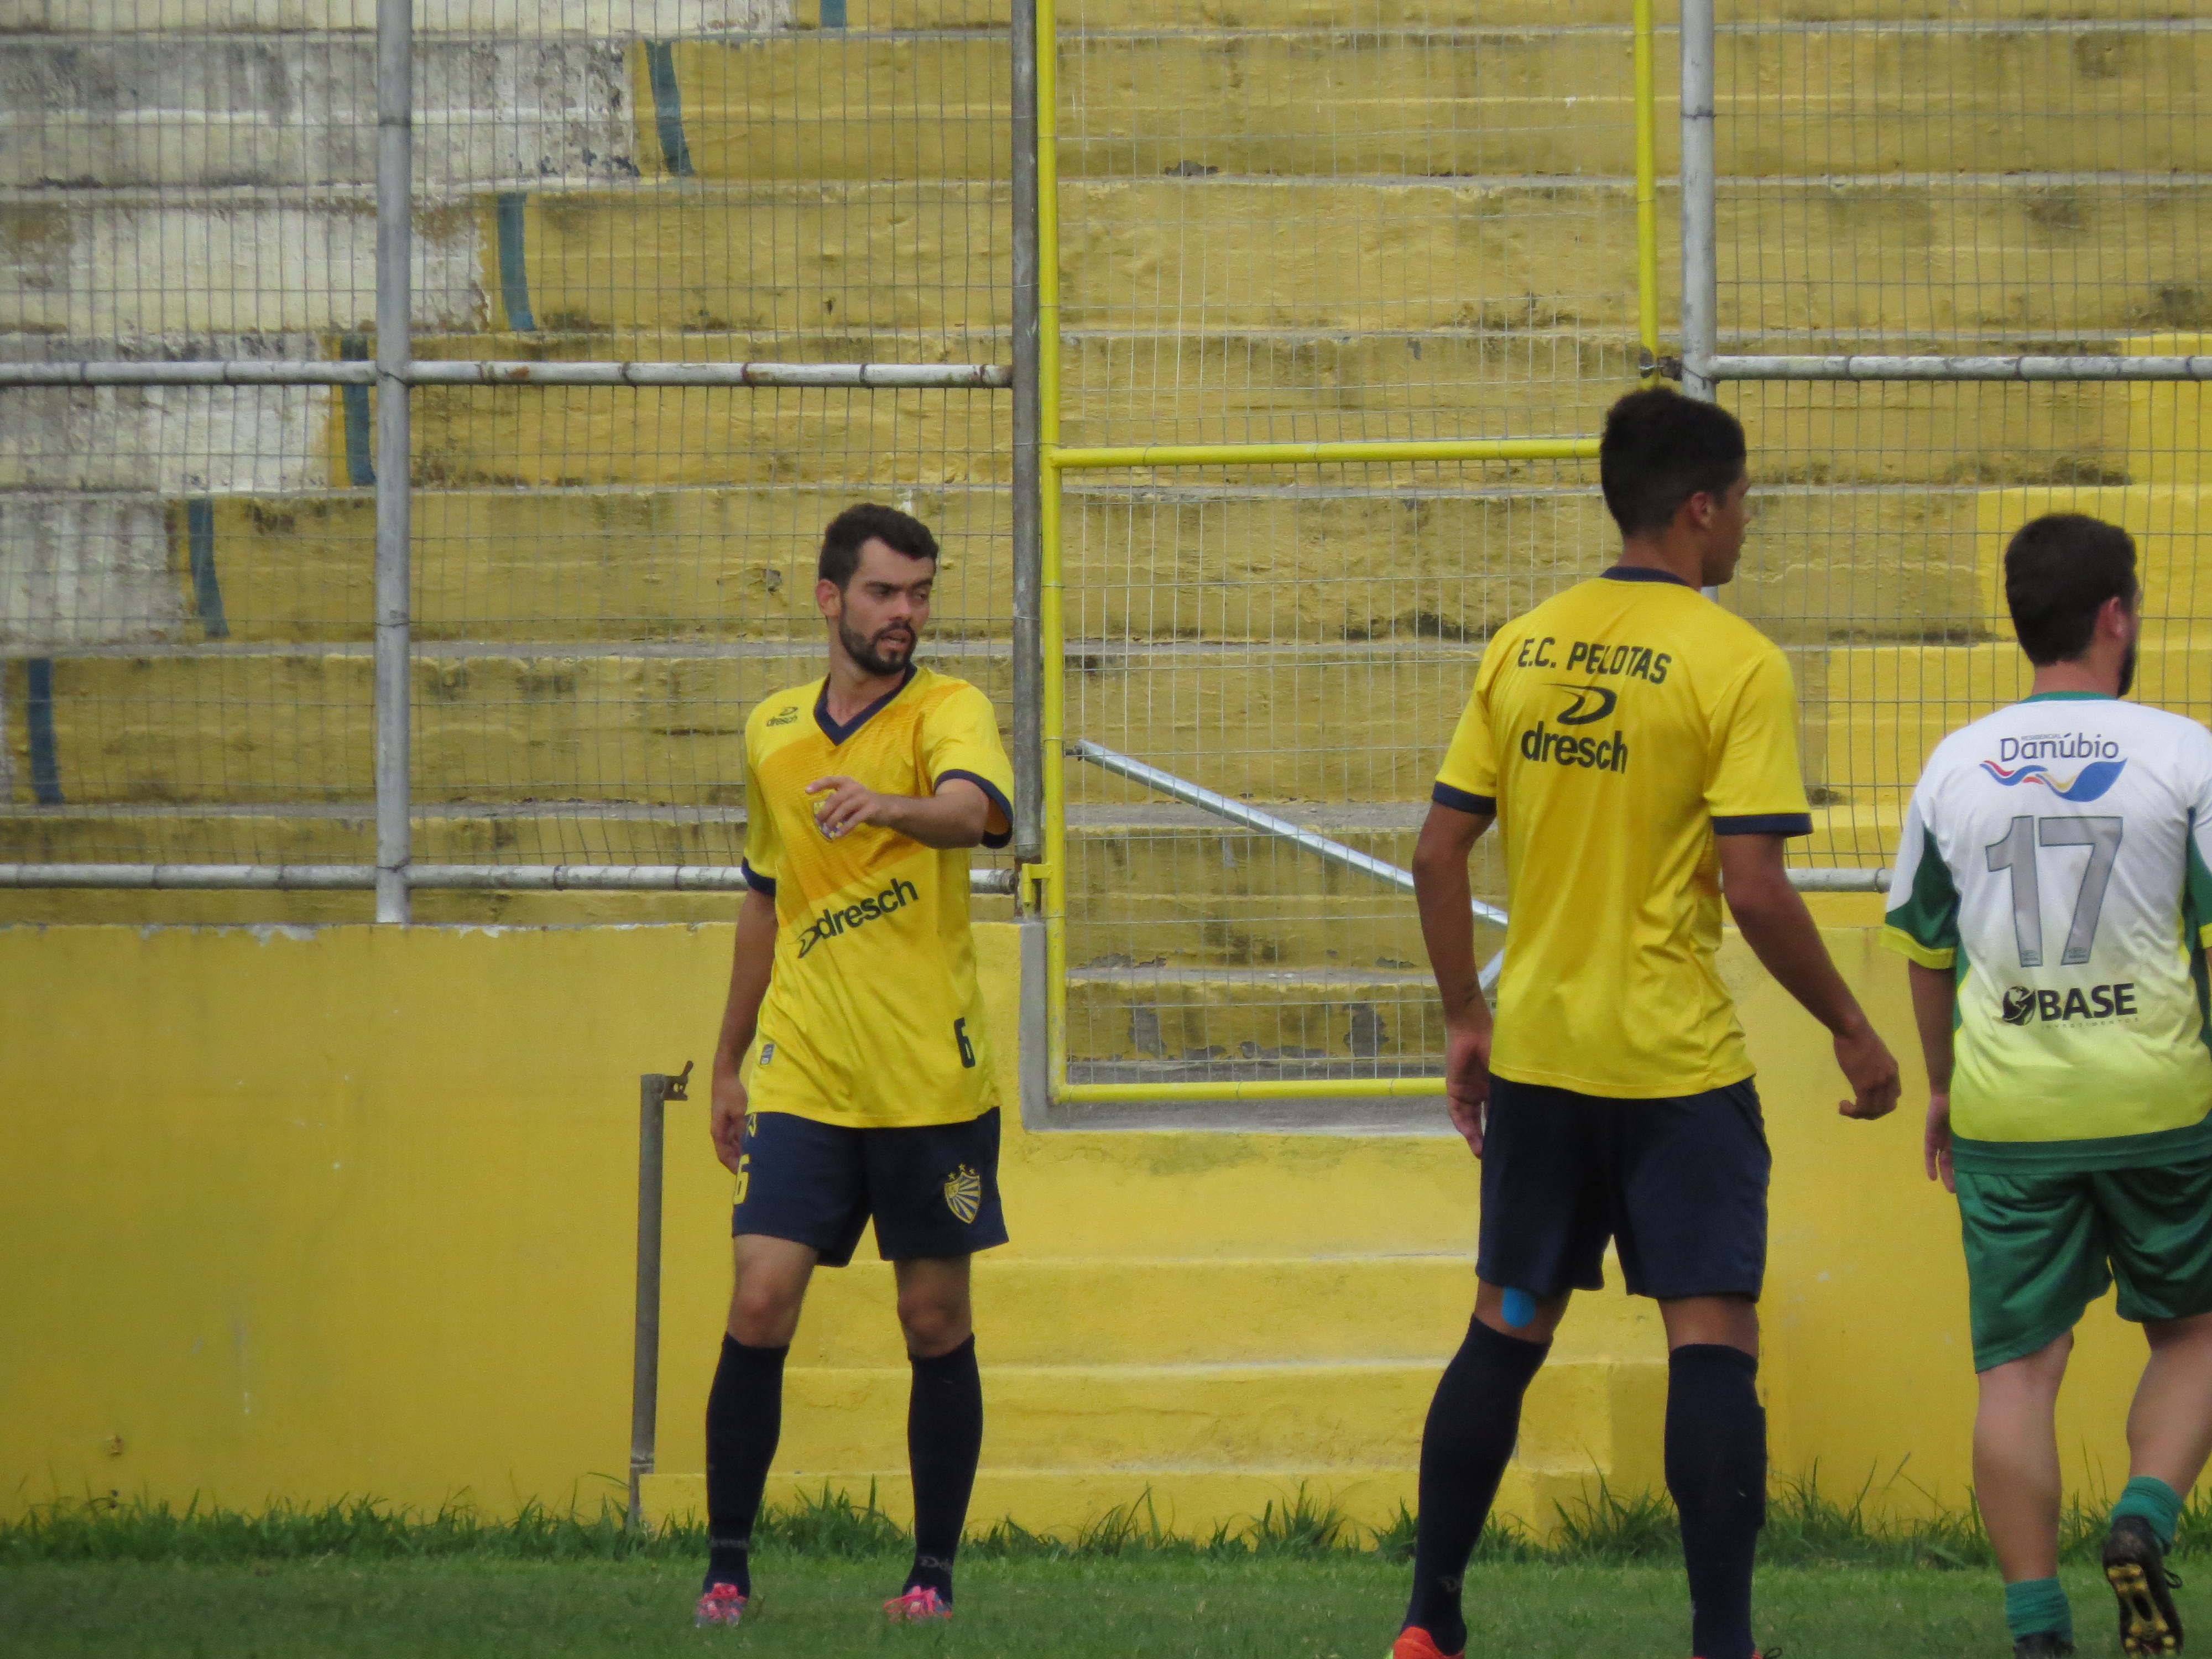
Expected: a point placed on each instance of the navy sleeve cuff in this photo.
(1765, 823)
(997, 799)
(1482, 806)
(757, 882)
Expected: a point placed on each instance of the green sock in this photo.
(2038, 1604)
(2147, 1496)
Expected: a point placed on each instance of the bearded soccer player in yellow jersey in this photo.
(1636, 745)
(852, 1076)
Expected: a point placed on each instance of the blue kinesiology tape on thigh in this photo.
(1520, 1309)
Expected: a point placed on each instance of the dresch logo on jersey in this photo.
(2023, 1004)
(784, 716)
(858, 913)
(1586, 706)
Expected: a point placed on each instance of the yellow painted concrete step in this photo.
(1323, 1021)
(1886, 707)
(1422, 559)
(1482, 99)
(1982, 255)
(1169, 1311)
(248, 727)
(1578, 1414)
(573, 565)
(1121, 14)
(625, 722)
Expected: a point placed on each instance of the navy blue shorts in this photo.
(933, 1191)
(1679, 1183)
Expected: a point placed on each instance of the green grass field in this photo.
(364, 1581)
(812, 1609)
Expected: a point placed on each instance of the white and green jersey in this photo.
(2058, 858)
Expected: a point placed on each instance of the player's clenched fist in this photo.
(845, 804)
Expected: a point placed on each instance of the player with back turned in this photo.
(852, 1075)
(1636, 745)
(2054, 893)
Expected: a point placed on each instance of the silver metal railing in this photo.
(394, 371)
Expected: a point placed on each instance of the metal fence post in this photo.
(1700, 235)
(1028, 661)
(395, 350)
(654, 1091)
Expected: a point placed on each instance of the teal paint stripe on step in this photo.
(513, 274)
(207, 591)
(833, 13)
(668, 106)
(360, 444)
(39, 730)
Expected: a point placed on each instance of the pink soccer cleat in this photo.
(722, 1604)
(917, 1607)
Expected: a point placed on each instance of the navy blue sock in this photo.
(744, 1420)
(943, 1443)
(1473, 1423)
(1716, 1470)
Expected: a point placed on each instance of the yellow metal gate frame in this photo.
(1049, 879)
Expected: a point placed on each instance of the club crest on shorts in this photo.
(964, 1193)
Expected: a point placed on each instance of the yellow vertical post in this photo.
(1051, 625)
(1647, 191)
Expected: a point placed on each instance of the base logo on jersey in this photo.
(2023, 1004)
(2093, 780)
(964, 1193)
(768, 1053)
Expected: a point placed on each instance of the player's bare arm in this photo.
(750, 961)
(1440, 889)
(959, 815)
(1780, 932)
(1934, 1007)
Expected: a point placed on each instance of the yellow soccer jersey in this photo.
(872, 1018)
(1615, 730)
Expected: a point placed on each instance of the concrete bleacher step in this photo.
(1253, 252)
(1883, 709)
(93, 110)
(1216, 1385)
(869, 102)
(1284, 98)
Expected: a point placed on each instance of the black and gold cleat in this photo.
(2134, 1566)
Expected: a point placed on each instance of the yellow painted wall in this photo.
(315, 1213)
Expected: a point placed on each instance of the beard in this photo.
(2128, 670)
(885, 654)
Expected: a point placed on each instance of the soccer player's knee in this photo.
(764, 1314)
(933, 1324)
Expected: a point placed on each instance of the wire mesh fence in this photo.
(605, 577)
(1915, 180)
(1360, 223)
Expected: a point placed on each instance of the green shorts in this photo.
(2040, 1247)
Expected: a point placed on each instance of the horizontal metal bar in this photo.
(1856, 367)
(1192, 794)
(1290, 454)
(362, 878)
(869, 376)
(1840, 881)
(1360, 1088)
(471, 372)
(229, 371)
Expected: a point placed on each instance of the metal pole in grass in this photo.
(654, 1091)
